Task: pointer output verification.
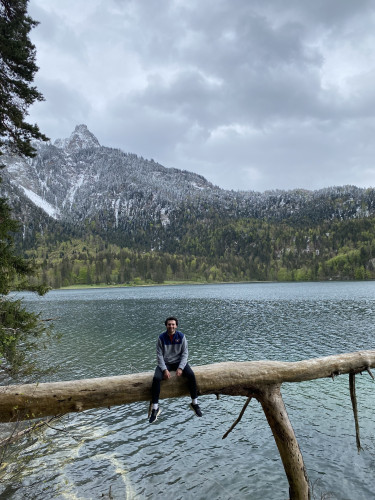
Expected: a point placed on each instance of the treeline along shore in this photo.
(230, 251)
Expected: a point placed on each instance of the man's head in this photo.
(171, 318)
(171, 324)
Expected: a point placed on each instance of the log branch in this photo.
(238, 418)
(15, 436)
(273, 406)
(353, 398)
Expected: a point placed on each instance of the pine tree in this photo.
(17, 70)
(20, 330)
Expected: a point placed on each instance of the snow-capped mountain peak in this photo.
(81, 138)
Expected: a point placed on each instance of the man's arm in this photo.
(184, 354)
(160, 355)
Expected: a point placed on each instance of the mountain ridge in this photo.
(77, 182)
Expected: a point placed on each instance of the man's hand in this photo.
(166, 375)
(178, 372)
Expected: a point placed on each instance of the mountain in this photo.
(93, 214)
(76, 185)
(77, 181)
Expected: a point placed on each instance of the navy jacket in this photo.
(172, 352)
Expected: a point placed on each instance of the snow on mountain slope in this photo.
(77, 181)
(43, 204)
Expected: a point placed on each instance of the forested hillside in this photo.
(243, 250)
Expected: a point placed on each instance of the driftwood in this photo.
(254, 379)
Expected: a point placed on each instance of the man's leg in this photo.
(154, 409)
(189, 374)
(155, 390)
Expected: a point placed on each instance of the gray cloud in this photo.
(252, 95)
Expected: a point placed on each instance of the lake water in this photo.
(116, 454)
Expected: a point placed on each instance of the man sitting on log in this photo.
(172, 355)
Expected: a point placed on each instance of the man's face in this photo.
(171, 327)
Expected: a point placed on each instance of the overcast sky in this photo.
(252, 94)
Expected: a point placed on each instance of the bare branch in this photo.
(239, 417)
(15, 436)
(353, 397)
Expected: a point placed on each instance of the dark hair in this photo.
(171, 318)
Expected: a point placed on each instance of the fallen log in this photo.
(254, 379)
(29, 401)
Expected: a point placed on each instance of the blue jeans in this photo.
(158, 377)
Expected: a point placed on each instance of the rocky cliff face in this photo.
(79, 183)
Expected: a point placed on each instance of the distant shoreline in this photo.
(168, 283)
(174, 283)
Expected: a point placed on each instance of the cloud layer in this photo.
(252, 95)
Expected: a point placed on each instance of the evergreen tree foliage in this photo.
(17, 70)
(222, 251)
(20, 330)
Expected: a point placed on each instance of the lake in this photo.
(116, 453)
